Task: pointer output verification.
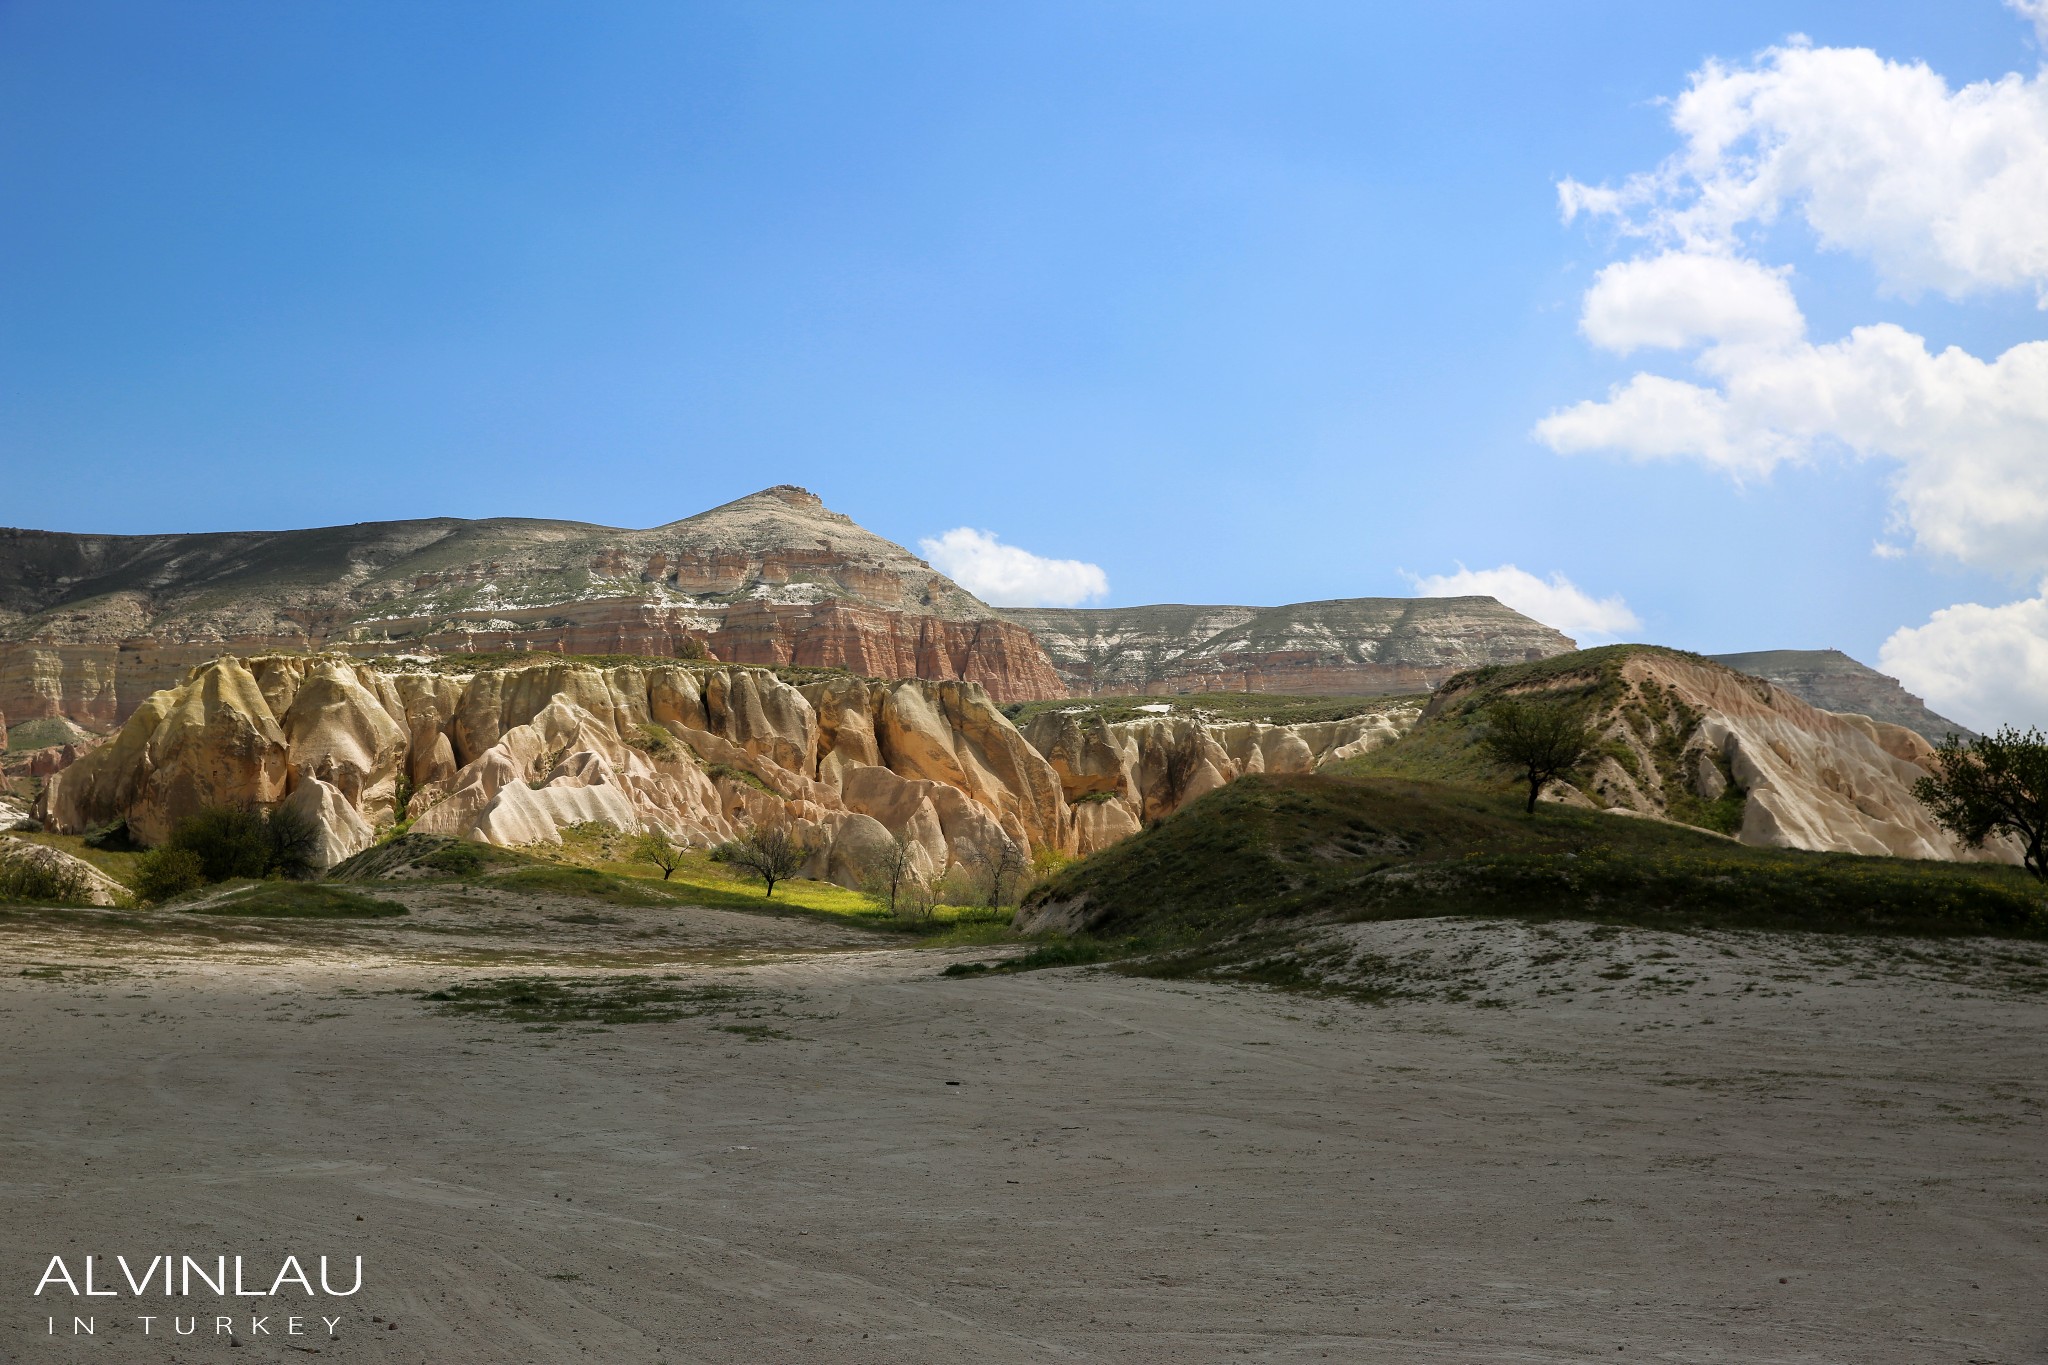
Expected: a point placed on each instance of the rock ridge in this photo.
(91, 625)
(1358, 646)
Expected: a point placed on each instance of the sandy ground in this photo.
(1553, 1144)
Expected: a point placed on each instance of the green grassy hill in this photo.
(1275, 851)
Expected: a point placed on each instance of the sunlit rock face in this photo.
(512, 755)
(90, 626)
(1119, 774)
(1350, 647)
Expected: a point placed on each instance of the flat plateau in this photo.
(1549, 1143)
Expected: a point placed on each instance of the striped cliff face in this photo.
(1355, 646)
(90, 626)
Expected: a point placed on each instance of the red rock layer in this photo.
(100, 685)
(876, 643)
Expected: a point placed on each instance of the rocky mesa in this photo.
(1832, 681)
(92, 625)
(1358, 646)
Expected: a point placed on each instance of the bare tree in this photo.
(1543, 739)
(656, 847)
(1000, 871)
(917, 899)
(889, 870)
(773, 855)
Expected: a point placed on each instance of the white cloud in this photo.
(1969, 437)
(1682, 298)
(1006, 576)
(1985, 666)
(1556, 602)
(1654, 418)
(2036, 10)
(1938, 188)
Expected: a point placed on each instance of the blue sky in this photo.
(1239, 303)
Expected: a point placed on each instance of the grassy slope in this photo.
(1444, 746)
(294, 900)
(1270, 851)
(596, 863)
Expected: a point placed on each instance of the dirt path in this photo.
(1125, 1170)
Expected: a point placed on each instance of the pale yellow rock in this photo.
(1128, 759)
(338, 731)
(512, 755)
(341, 831)
(1098, 824)
(1815, 780)
(212, 742)
(902, 806)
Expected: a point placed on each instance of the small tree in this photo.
(1541, 738)
(890, 870)
(656, 847)
(773, 855)
(1995, 784)
(294, 839)
(1000, 871)
(163, 873)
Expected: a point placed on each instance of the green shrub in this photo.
(165, 873)
(232, 842)
(111, 837)
(33, 879)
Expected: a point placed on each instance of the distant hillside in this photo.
(1350, 646)
(90, 625)
(1833, 681)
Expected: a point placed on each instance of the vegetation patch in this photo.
(298, 900)
(45, 732)
(1057, 952)
(42, 883)
(728, 771)
(557, 1000)
(558, 879)
(426, 857)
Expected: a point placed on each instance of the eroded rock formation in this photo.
(1119, 774)
(512, 755)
